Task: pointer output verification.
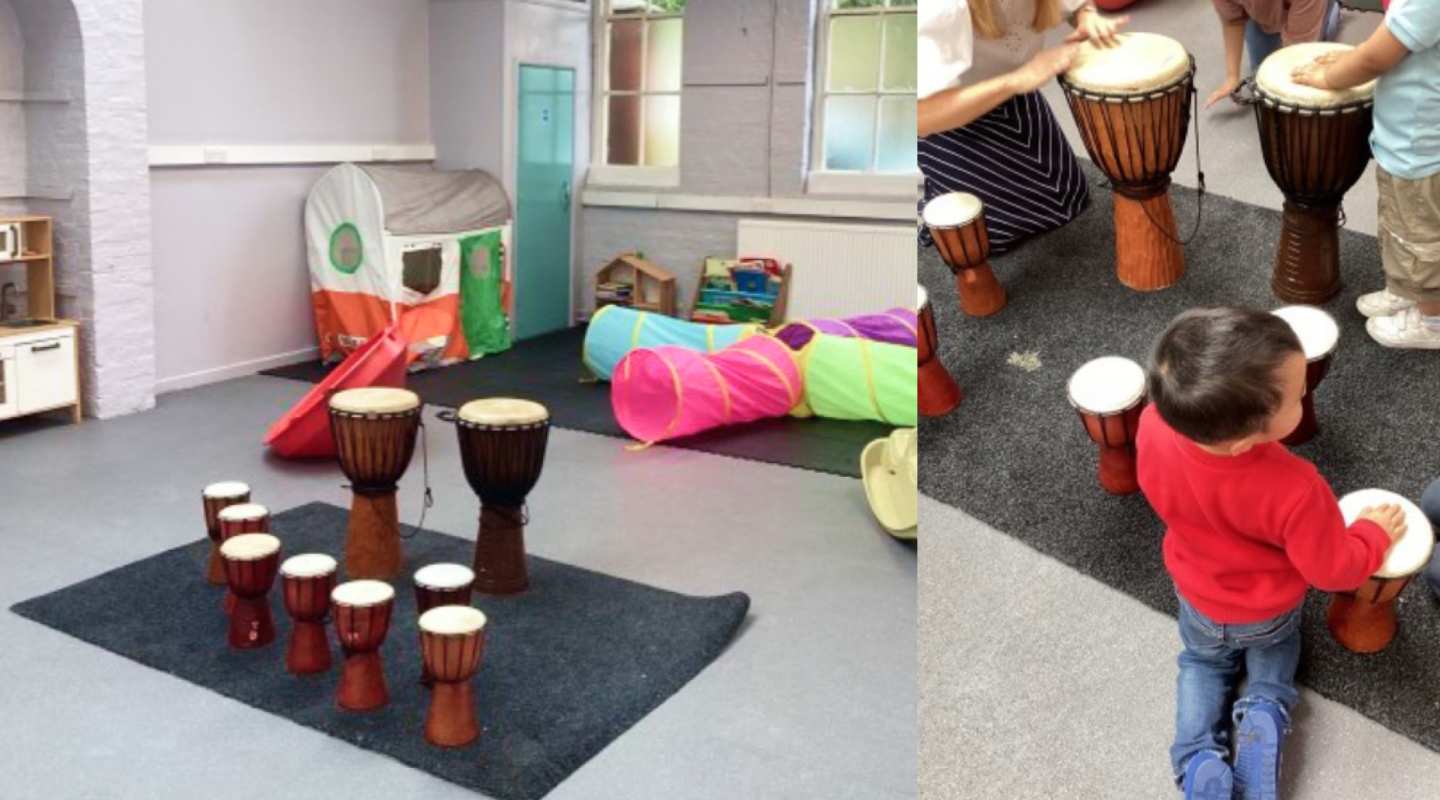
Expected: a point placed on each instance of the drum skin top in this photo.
(362, 593)
(503, 411)
(1409, 555)
(444, 576)
(1273, 78)
(1107, 385)
(375, 400)
(452, 620)
(1318, 331)
(241, 511)
(952, 210)
(921, 297)
(1139, 63)
(308, 565)
(222, 489)
(249, 546)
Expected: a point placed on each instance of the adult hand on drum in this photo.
(1043, 67)
(1390, 517)
(1313, 73)
(1092, 27)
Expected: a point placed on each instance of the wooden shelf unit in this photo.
(652, 288)
(38, 256)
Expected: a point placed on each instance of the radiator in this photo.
(839, 270)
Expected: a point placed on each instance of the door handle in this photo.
(565, 189)
(43, 347)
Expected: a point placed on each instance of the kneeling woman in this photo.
(983, 126)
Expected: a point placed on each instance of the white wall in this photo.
(232, 286)
(12, 113)
(467, 63)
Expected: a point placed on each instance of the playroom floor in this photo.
(1037, 681)
(816, 697)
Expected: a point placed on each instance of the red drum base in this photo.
(309, 650)
(362, 683)
(450, 721)
(251, 625)
(500, 552)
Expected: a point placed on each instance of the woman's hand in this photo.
(1313, 73)
(1042, 68)
(1226, 89)
(1092, 27)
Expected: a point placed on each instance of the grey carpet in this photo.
(1014, 455)
(569, 665)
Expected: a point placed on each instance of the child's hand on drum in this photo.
(1389, 516)
(1313, 74)
(1045, 65)
(1092, 27)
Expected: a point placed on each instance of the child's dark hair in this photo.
(1213, 375)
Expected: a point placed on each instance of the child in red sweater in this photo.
(1249, 526)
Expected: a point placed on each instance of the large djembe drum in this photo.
(441, 585)
(1364, 620)
(1109, 394)
(215, 498)
(502, 447)
(1319, 334)
(251, 561)
(1132, 104)
(1316, 144)
(452, 641)
(375, 431)
(956, 221)
(307, 581)
(937, 392)
(362, 611)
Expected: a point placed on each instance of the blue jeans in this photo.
(1260, 44)
(1210, 668)
(1430, 504)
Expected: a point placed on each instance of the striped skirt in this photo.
(1016, 160)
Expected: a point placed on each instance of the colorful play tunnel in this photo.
(614, 331)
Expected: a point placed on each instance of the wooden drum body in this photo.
(1319, 334)
(1132, 105)
(251, 561)
(1364, 620)
(362, 611)
(307, 581)
(452, 642)
(1109, 394)
(502, 447)
(375, 432)
(937, 394)
(957, 224)
(441, 585)
(215, 498)
(1316, 145)
(235, 520)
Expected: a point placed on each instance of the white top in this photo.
(950, 55)
(452, 620)
(1317, 330)
(1107, 385)
(1409, 555)
(249, 546)
(921, 298)
(243, 511)
(444, 576)
(223, 489)
(375, 400)
(308, 565)
(1141, 62)
(1273, 78)
(503, 411)
(362, 593)
(952, 210)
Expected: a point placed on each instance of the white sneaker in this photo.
(1382, 303)
(1404, 329)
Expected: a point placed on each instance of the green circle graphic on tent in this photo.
(347, 249)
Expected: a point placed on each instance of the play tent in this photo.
(616, 330)
(410, 244)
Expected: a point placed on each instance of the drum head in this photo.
(375, 400)
(503, 411)
(1107, 385)
(242, 511)
(1273, 78)
(452, 620)
(308, 565)
(1317, 330)
(952, 210)
(444, 576)
(225, 489)
(362, 593)
(1412, 552)
(249, 546)
(1139, 63)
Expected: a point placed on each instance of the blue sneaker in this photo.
(1208, 777)
(1257, 752)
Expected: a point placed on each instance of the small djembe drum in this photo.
(362, 611)
(307, 581)
(938, 394)
(441, 585)
(452, 641)
(1316, 144)
(251, 561)
(1131, 104)
(502, 447)
(1109, 394)
(215, 497)
(957, 225)
(235, 520)
(1364, 620)
(375, 431)
(1319, 334)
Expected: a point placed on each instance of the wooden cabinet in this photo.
(40, 370)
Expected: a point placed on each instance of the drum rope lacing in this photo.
(425, 470)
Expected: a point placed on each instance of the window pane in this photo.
(850, 132)
(662, 65)
(667, 6)
(622, 133)
(626, 57)
(854, 53)
(858, 3)
(900, 39)
(662, 131)
(902, 3)
(627, 6)
(897, 134)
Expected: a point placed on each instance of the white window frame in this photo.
(820, 180)
(601, 173)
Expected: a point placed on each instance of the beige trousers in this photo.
(1409, 233)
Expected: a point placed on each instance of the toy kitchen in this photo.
(39, 354)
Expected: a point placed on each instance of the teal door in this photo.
(542, 218)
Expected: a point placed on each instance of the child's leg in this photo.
(1208, 673)
(1332, 22)
(1430, 504)
(1271, 656)
(1259, 44)
(1410, 237)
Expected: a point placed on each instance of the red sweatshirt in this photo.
(1246, 533)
